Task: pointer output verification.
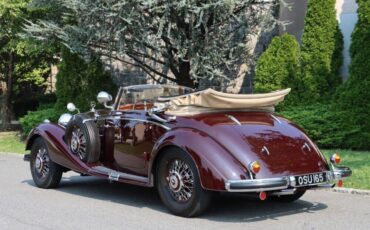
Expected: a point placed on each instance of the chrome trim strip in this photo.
(131, 119)
(265, 149)
(257, 185)
(305, 145)
(233, 119)
(275, 118)
(149, 121)
(115, 175)
(160, 119)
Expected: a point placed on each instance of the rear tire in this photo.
(83, 138)
(288, 198)
(45, 173)
(178, 184)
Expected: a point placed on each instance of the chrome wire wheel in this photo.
(78, 143)
(42, 163)
(178, 183)
(180, 180)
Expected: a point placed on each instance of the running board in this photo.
(114, 175)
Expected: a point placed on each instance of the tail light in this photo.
(254, 167)
(335, 158)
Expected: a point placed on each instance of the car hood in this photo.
(279, 145)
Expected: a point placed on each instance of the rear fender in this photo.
(214, 163)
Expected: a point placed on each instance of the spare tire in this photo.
(83, 138)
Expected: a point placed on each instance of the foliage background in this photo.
(335, 115)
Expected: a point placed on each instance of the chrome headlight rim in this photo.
(64, 119)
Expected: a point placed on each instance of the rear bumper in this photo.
(282, 183)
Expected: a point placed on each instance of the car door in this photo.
(135, 137)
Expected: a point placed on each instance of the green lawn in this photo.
(10, 143)
(358, 161)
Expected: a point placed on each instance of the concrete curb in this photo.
(21, 155)
(351, 191)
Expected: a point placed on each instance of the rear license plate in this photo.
(310, 179)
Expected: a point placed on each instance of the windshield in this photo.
(142, 97)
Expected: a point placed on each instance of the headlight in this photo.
(64, 119)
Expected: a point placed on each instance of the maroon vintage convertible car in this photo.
(186, 144)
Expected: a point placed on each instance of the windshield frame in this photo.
(123, 90)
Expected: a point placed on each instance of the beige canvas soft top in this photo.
(210, 100)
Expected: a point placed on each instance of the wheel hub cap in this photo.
(39, 162)
(180, 181)
(75, 144)
(78, 143)
(175, 182)
(42, 162)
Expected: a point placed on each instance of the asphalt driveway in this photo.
(92, 203)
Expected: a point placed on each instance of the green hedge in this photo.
(328, 127)
(34, 118)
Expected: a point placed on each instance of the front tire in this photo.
(178, 184)
(45, 173)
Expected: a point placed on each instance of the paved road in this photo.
(91, 203)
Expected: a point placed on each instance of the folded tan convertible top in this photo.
(210, 100)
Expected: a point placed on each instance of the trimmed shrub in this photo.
(278, 68)
(34, 118)
(79, 82)
(322, 43)
(326, 126)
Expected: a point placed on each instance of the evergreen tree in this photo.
(354, 95)
(79, 82)
(279, 67)
(322, 44)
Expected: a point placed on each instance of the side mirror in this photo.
(104, 98)
(71, 107)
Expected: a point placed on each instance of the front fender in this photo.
(59, 152)
(214, 163)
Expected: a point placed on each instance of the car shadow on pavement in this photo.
(242, 208)
(224, 208)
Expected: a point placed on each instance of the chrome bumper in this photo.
(281, 183)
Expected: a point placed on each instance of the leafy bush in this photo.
(34, 118)
(278, 67)
(354, 94)
(328, 127)
(322, 43)
(79, 82)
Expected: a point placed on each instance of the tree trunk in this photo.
(183, 78)
(7, 88)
